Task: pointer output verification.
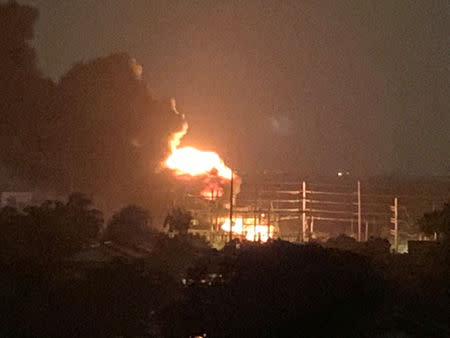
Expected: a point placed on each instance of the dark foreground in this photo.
(183, 288)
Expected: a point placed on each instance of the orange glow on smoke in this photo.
(250, 232)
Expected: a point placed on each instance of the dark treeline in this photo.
(50, 231)
(66, 272)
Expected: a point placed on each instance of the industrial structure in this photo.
(301, 210)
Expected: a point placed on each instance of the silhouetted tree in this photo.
(342, 242)
(81, 215)
(437, 221)
(130, 225)
(51, 230)
(178, 220)
(179, 253)
(13, 235)
(376, 246)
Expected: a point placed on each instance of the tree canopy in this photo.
(437, 221)
(50, 231)
(132, 224)
(178, 220)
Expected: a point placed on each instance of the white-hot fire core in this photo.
(256, 232)
(191, 161)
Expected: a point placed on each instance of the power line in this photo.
(331, 193)
(332, 211)
(334, 219)
(329, 202)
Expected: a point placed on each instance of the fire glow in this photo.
(194, 162)
(252, 233)
(191, 162)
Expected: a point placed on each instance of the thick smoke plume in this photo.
(98, 130)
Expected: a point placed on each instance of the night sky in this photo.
(310, 87)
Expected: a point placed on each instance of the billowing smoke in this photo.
(98, 130)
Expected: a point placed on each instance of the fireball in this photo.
(191, 162)
(194, 162)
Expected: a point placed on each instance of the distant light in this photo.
(340, 173)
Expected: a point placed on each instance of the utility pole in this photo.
(396, 224)
(268, 220)
(394, 220)
(255, 207)
(359, 211)
(304, 211)
(230, 234)
(366, 233)
(212, 211)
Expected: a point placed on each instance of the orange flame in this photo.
(250, 232)
(193, 162)
(175, 140)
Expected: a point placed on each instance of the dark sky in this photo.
(307, 86)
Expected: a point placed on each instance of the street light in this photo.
(230, 234)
